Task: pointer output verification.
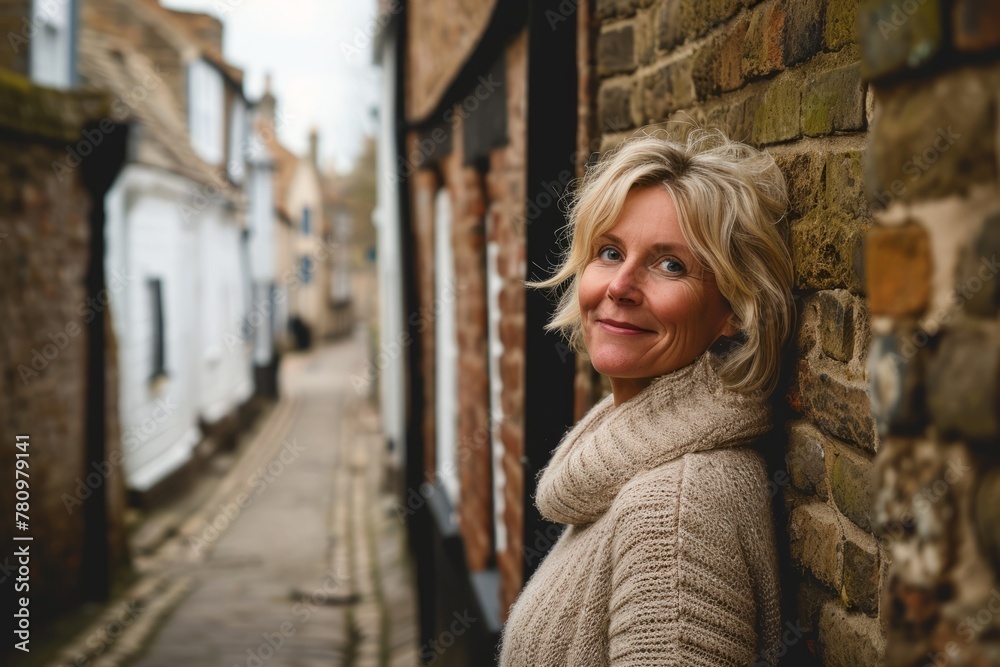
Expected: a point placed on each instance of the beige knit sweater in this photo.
(669, 557)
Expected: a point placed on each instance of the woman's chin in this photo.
(615, 367)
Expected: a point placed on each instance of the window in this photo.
(306, 220)
(445, 351)
(237, 140)
(52, 61)
(154, 286)
(305, 270)
(205, 102)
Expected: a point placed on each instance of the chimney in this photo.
(313, 147)
(267, 103)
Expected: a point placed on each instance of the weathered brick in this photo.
(616, 49)
(699, 17)
(975, 24)
(963, 383)
(849, 640)
(841, 27)
(803, 174)
(806, 459)
(670, 29)
(850, 485)
(803, 30)
(839, 406)
(861, 575)
(895, 372)
(836, 309)
(845, 184)
(667, 89)
(778, 115)
(987, 515)
(895, 39)
(717, 63)
(926, 139)
(614, 106)
(834, 101)
(976, 276)
(815, 534)
(763, 48)
(897, 270)
(826, 249)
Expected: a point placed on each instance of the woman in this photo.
(678, 287)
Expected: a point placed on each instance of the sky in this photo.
(319, 55)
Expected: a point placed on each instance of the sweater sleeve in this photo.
(681, 589)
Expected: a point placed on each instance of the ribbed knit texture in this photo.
(669, 557)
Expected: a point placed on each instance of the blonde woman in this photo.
(677, 286)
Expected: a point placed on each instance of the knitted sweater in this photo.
(669, 555)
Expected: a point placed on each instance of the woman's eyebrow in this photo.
(657, 247)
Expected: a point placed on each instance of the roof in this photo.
(110, 58)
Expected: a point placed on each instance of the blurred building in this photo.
(177, 217)
(882, 117)
(61, 148)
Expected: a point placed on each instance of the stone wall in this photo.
(785, 76)
(931, 274)
(45, 309)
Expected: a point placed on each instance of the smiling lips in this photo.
(623, 328)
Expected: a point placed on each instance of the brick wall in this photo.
(44, 247)
(930, 265)
(786, 76)
(487, 205)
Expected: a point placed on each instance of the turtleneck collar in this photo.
(686, 410)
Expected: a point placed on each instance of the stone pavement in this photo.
(297, 558)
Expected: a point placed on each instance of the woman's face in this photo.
(647, 307)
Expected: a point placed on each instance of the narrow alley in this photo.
(297, 558)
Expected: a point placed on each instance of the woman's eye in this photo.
(672, 266)
(609, 253)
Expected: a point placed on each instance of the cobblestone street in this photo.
(297, 558)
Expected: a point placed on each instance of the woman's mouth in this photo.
(621, 328)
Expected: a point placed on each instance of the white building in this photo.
(175, 237)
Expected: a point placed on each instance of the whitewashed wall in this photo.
(147, 237)
(224, 378)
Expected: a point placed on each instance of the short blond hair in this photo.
(730, 198)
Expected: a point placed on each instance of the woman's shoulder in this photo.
(716, 477)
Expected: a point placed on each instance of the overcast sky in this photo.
(318, 53)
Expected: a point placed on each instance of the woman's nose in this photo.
(624, 286)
